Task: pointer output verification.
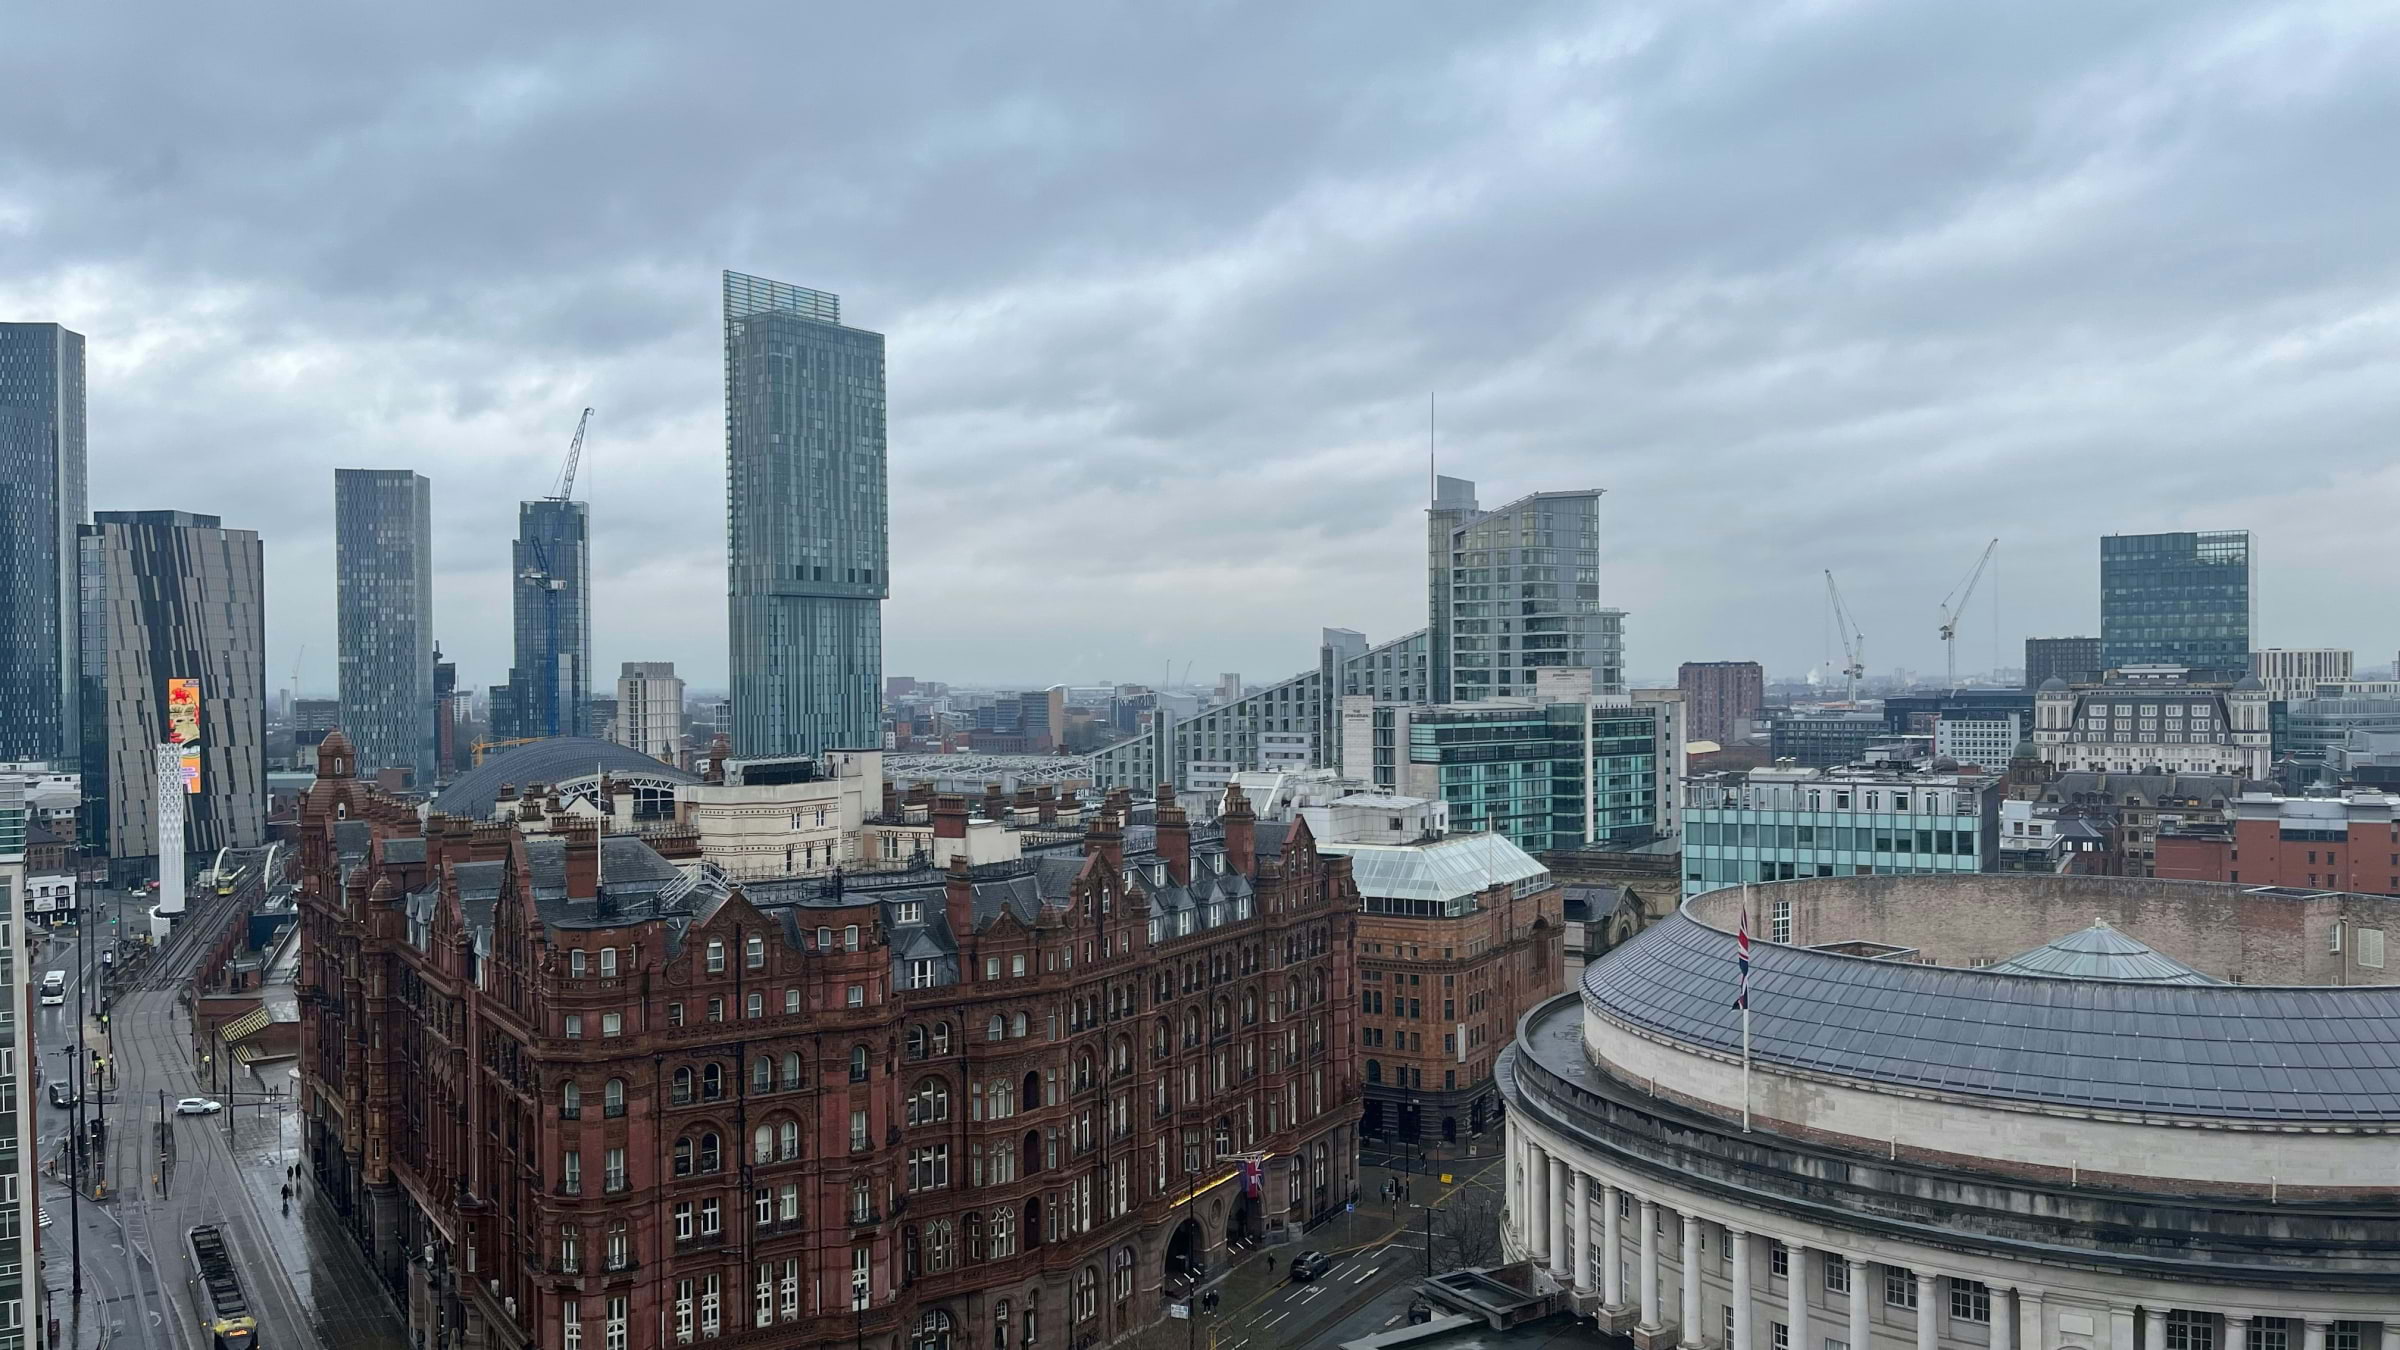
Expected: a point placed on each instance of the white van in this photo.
(54, 988)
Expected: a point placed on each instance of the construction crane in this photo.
(1962, 593)
(566, 476)
(1854, 643)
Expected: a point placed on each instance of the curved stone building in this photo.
(2022, 1113)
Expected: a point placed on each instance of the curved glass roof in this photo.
(557, 760)
(2224, 1051)
(1446, 869)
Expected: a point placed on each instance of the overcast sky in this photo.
(1816, 285)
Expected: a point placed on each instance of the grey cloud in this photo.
(1803, 286)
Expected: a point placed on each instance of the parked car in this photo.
(1309, 1265)
(198, 1106)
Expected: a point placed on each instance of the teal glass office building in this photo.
(1527, 771)
(807, 512)
(2181, 599)
(1782, 825)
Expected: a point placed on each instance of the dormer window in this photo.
(909, 911)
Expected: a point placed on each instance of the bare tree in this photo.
(1466, 1228)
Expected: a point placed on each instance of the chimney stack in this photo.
(1106, 839)
(583, 861)
(958, 905)
(891, 799)
(1241, 832)
(1045, 804)
(949, 819)
(1174, 836)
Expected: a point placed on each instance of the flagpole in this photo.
(1745, 941)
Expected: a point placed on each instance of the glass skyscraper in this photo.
(2183, 599)
(41, 506)
(1516, 590)
(171, 595)
(806, 517)
(383, 610)
(551, 684)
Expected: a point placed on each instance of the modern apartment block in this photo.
(1979, 742)
(383, 610)
(42, 470)
(1722, 697)
(2182, 599)
(1827, 739)
(1291, 724)
(550, 599)
(1785, 823)
(2073, 659)
(650, 709)
(171, 595)
(1558, 771)
(1514, 591)
(807, 512)
(2295, 672)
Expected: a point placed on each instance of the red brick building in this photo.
(571, 1095)
(2348, 843)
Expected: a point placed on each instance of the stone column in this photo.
(2154, 1327)
(1646, 1214)
(1582, 1245)
(2120, 1327)
(1863, 1275)
(1795, 1299)
(2317, 1327)
(1928, 1316)
(2030, 1333)
(2004, 1320)
(2391, 1333)
(1562, 1253)
(1612, 1250)
(1537, 1210)
(1739, 1243)
(1693, 1332)
(2237, 1333)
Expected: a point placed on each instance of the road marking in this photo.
(1364, 1276)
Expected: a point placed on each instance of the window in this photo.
(855, 996)
(612, 1024)
(1837, 1274)
(858, 1129)
(683, 1220)
(755, 1005)
(923, 973)
(2187, 1330)
(862, 1203)
(754, 953)
(1779, 1260)
(570, 1100)
(608, 960)
(792, 1077)
(909, 911)
(574, 1026)
(570, 1174)
(612, 1170)
(1970, 1301)
(791, 1002)
(712, 1216)
(858, 1064)
(716, 1009)
(570, 1249)
(2270, 1333)
(620, 1247)
(850, 938)
(575, 962)
(1781, 929)
(675, 1014)
(716, 956)
(930, 1103)
(612, 1098)
(1004, 1232)
(571, 1324)
(613, 1330)
(824, 939)
(929, 1168)
(996, 1028)
(862, 1280)
(712, 1082)
(1899, 1287)
(762, 1074)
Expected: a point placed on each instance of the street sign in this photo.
(1445, 1178)
(1182, 1311)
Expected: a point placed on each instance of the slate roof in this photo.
(559, 759)
(2220, 1051)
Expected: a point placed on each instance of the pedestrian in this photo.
(1270, 1265)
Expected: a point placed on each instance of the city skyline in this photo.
(1239, 341)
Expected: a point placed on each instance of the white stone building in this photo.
(1972, 1118)
(784, 817)
(2295, 672)
(2150, 719)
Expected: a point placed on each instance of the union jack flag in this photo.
(1741, 942)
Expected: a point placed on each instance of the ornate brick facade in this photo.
(570, 1095)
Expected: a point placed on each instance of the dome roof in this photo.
(2053, 685)
(2217, 1051)
(2101, 953)
(2247, 683)
(557, 760)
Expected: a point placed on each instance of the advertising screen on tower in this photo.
(183, 712)
(191, 772)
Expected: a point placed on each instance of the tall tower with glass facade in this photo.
(551, 684)
(1515, 591)
(2184, 599)
(41, 507)
(383, 612)
(172, 595)
(806, 518)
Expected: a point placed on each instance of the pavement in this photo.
(306, 1280)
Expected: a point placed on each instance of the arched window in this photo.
(940, 1247)
(612, 1097)
(1317, 989)
(762, 1144)
(683, 1156)
(570, 1100)
(996, 1028)
(1249, 1007)
(858, 1064)
(933, 1330)
(941, 1038)
(1004, 1232)
(1165, 1039)
(762, 1074)
(1121, 1055)
(1191, 1026)
(975, 1236)
(930, 1103)
(1374, 1070)
(712, 1157)
(712, 1082)
(575, 962)
(1087, 1294)
(792, 1077)
(1033, 1222)
(1033, 1156)
(1004, 1099)
(1221, 1014)
(1016, 1026)
(1000, 1326)
(1084, 1070)
(1123, 1274)
(1031, 1098)
(683, 1085)
(916, 1042)
(787, 1140)
(862, 1203)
